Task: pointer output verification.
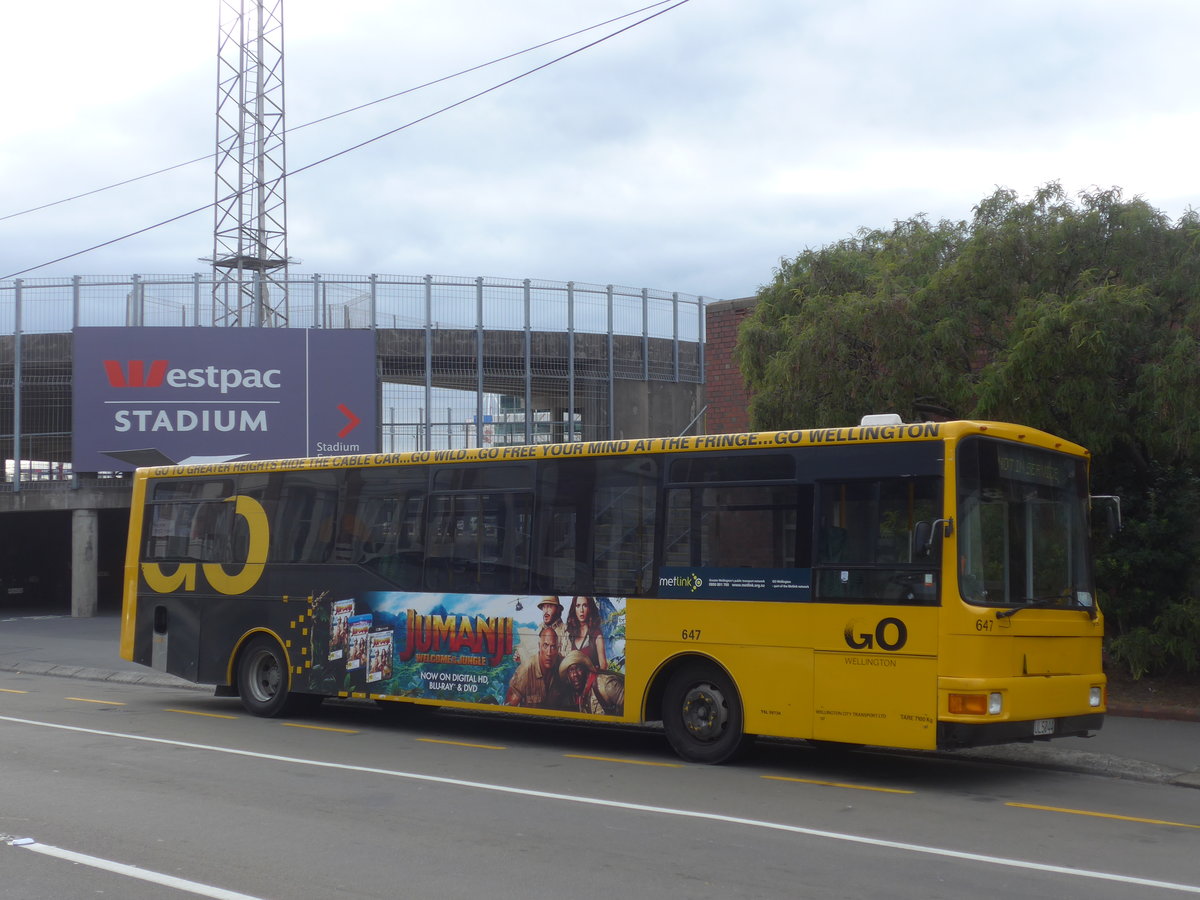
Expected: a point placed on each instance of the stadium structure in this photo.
(457, 362)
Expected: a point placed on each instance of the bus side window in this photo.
(563, 521)
(622, 524)
(864, 539)
(199, 532)
(739, 526)
(304, 517)
(478, 543)
(403, 555)
(478, 533)
(832, 544)
(380, 523)
(188, 520)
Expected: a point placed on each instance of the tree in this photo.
(1078, 317)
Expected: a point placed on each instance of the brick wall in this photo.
(728, 401)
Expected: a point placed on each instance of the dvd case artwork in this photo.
(339, 628)
(380, 650)
(356, 644)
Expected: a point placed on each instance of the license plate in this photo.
(1043, 726)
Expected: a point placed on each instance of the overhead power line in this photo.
(344, 112)
(365, 143)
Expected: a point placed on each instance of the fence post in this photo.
(479, 361)
(528, 364)
(75, 300)
(133, 310)
(570, 360)
(612, 373)
(16, 476)
(675, 335)
(374, 300)
(645, 335)
(429, 362)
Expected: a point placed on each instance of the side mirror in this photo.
(922, 540)
(924, 533)
(1112, 511)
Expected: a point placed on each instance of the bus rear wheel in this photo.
(262, 678)
(702, 715)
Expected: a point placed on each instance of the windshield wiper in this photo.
(1033, 603)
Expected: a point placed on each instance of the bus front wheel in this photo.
(262, 678)
(702, 715)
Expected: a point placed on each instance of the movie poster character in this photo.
(589, 690)
(537, 682)
(481, 649)
(379, 662)
(339, 628)
(356, 651)
(594, 629)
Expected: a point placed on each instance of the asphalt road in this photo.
(350, 803)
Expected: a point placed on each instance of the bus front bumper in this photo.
(957, 735)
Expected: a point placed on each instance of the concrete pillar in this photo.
(85, 539)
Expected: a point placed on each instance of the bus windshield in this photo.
(1022, 515)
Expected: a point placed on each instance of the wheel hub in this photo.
(705, 713)
(266, 678)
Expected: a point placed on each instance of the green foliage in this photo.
(1078, 316)
(1170, 645)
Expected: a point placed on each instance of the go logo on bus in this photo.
(215, 574)
(890, 634)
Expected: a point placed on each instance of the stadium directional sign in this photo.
(208, 394)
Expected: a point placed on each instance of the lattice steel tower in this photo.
(250, 255)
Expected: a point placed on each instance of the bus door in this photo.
(875, 613)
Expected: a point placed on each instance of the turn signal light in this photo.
(969, 704)
(977, 704)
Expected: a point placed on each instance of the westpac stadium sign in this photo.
(144, 395)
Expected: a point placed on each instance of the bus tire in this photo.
(262, 676)
(702, 715)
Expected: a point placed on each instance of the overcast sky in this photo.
(688, 154)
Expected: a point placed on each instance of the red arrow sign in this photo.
(352, 424)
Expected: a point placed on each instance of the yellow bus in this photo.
(922, 586)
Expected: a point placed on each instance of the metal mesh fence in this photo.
(461, 361)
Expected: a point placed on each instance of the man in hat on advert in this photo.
(600, 693)
(552, 611)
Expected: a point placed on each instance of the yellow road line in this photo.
(192, 712)
(838, 784)
(9, 691)
(319, 727)
(628, 762)
(461, 744)
(101, 702)
(1101, 815)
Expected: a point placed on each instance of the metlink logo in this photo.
(692, 581)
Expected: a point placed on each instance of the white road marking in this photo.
(108, 865)
(640, 807)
